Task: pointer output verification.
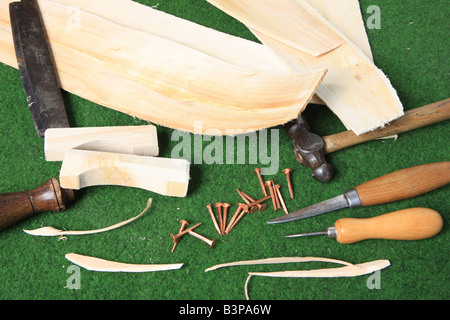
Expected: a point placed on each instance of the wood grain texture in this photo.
(17, 206)
(354, 88)
(406, 224)
(284, 21)
(404, 184)
(138, 140)
(83, 168)
(160, 80)
(413, 119)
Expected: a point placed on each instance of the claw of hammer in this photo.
(309, 149)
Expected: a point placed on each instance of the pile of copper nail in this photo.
(224, 227)
(190, 231)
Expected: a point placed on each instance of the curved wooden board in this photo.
(165, 82)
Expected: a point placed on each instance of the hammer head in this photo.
(309, 149)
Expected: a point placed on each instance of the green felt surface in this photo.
(411, 48)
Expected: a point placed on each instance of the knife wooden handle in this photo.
(406, 224)
(17, 206)
(404, 184)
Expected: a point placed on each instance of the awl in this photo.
(406, 224)
(398, 185)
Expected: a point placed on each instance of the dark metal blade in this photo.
(36, 67)
(329, 205)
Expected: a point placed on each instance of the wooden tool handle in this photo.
(404, 184)
(17, 206)
(407, 224)
(413, 119)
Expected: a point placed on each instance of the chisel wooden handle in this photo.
(17, 206)
(404, 184)
(407, 224)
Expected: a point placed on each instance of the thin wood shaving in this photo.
(97, 264)
(349, 270)
(50, 231)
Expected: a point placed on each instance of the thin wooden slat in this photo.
(138, 140)
(354, 88)
(297, 28)
(165, 82)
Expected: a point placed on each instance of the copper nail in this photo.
(218, 205)
(272, 194)
(211, 243)
(224, 216)
(211, 213)
(277, 188)
(247, 201)
(184, 223)
(259, 201)
(233, 218)
(261, 207)
(277, 200)
(241, 215)
(287, 172)
(261, 181)
(182, 233)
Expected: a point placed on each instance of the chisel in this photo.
(398, 185)
(406, 224)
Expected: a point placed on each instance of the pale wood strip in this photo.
(284, 21)
(163, 81)
(102, 265)
(138, 140)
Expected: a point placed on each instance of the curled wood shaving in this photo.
(97, 264)
(50, 231)
(276, 260)
(349, 270)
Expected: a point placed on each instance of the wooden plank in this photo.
(284, 21)
(138, 140)
(346, 16)
(83, 168)
(163, 81)
(354, 89)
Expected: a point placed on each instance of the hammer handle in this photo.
(404, 184)
(413, 119)
(17, 206)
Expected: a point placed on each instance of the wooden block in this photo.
(83, 168)
(138, 140)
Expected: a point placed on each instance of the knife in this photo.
(395, 186)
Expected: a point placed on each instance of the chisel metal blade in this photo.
(36, 67)
(346, 200)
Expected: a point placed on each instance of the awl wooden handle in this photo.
(407, 224)
(15, 207)
(404, 184)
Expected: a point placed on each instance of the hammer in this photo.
(310, 148)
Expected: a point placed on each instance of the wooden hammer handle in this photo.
(413, 119)
(17, 206)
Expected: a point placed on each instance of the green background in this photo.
(411, 48)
